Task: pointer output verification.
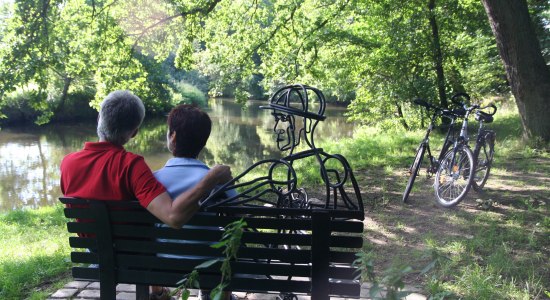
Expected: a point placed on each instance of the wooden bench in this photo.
(300, 251)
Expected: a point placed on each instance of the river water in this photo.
(30, 156)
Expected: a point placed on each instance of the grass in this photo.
(33, 250)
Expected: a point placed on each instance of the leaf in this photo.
(185, 294)
(428, 267)
(375, 290)
(208, 263)
(219, 245)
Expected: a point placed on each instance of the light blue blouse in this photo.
(180, 174)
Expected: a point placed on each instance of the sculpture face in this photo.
(284, 129)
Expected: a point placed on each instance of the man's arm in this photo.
(178, 212)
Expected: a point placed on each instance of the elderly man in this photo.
(105, 171)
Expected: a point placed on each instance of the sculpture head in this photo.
(291, 103)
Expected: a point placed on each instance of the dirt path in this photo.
(403, 233)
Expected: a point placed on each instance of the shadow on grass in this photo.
(506, 241)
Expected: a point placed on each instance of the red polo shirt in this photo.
(104, 171)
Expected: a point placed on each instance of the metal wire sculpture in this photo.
(297, 110)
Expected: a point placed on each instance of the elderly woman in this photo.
(188, 131)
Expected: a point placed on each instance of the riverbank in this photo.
(494, 245)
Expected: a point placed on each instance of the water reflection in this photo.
(30, 156)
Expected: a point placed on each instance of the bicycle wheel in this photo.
(414, 171)
(483, 156)
(454, 177)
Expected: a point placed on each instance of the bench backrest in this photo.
(283, 250)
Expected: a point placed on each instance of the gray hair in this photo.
(120, 114)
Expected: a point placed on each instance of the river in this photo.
(30, 156)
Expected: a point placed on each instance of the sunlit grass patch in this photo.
(501, 261)
(457, 220)
(33, 248)
(478, 282)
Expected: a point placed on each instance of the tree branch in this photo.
(197, 10)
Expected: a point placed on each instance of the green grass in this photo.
(34, 249)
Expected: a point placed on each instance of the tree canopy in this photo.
(376, 55)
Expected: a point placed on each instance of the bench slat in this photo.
(202, 219)
(292, 255)
(287, 255)
(209, 281)
(83, 273)
(84, 257)
(188, 264)
(82, 242)
(342, 257)
(79, 227)
(271, 211)
(215, 235)
(345, 289)
(205, 234)
(346, 241)
(342, 273)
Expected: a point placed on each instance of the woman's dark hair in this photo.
(192, 127)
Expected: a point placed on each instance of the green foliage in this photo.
(22, 105)
(189, 281)
(378, 55)
(60, 49)
(365, 265)
(231, 242)
(390, 286)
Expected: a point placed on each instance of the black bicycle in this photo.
(425, 144)
(451, 185)
(484, 149)
(456, 170)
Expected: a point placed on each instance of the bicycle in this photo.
(454, 178)
(485, 146)
(425, 143)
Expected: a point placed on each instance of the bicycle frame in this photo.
(434, 163)
(464, 138)
(482, 135)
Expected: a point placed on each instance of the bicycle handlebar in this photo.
(462, 111)
(494, 111)
(457, 96)
(467, 108)
(446, 112)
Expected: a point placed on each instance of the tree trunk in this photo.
(438, 56)
(401, 117)
(64, 94)
(528, 74)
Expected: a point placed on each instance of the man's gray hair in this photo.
(120, 113)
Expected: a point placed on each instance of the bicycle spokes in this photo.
(453, 177)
